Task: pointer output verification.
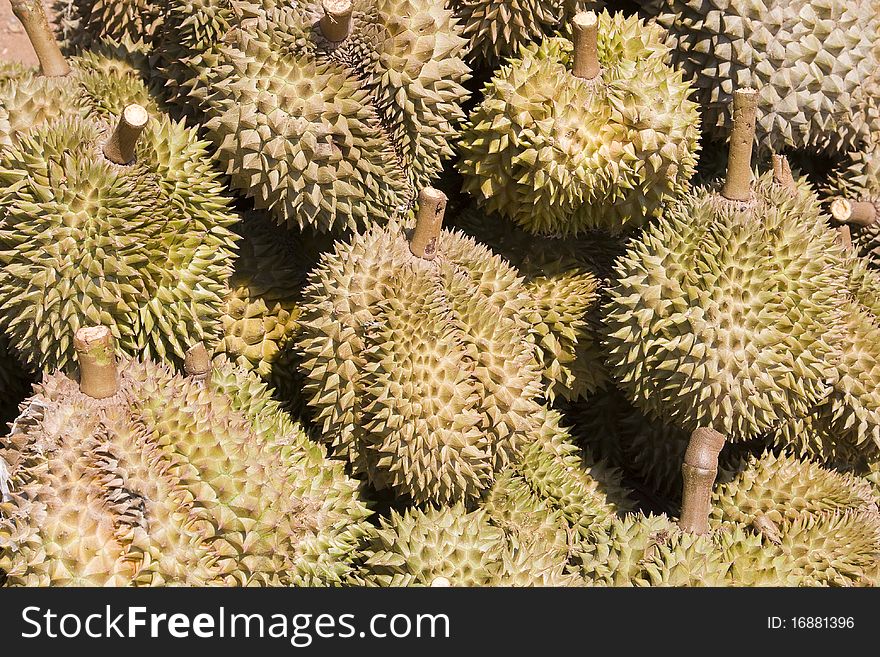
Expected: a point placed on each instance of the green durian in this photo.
(172, 480)
(420, 371)
(811, 63)
(563, 277)
(83, 22)
(454, 547)
(845, 426)
(727, 314)
(324, 134)
(559, 154)
(497, 29)
(143, 248)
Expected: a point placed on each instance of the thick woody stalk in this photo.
(586, 45)
(738, 183)
(782, 175)
(30, 14)
(429, 222)
(97, 361)
(699, 469)
(197, 361)
(844, 237)
(858, 213)
(336, 21)
(120, 148)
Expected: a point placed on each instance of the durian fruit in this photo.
(102, 227)
(83, 22)
(10, 71)
(497, 29)
(726, 313)
(812, 64)
(419, 364)
(778, 522)
(141, 476)
(844, 428)
(563, 278)
(454, 547)
(97, 83)
(855, 189)
(598, 133)
(326, 126)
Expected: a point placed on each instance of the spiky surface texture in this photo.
(417, 547)
(171, 481)
(563, 277)
(497, 29)
(859, 180)
(845, 426)
(810, 62)
(778, 522)
(10, 71)
(420, 372)
(101, 83)
(83, 22)
(561, 155)
(729, 317)
(144, 249)
(323, 134)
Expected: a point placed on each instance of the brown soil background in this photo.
(14, 44)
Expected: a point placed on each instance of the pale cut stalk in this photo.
(858, 213)
(96, 353)
(32, 17)
(336, 22)
(585, 26)
(699, 469)
(197, 361)
(429, 222)
(120, 148)
(738, 183)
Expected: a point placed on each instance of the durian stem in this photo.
(844, 237)
(97, 361)
(440, 582)
(197, 361)
(120, 148)
(586, 45)
(429, 222)
(782, 173)
(31, 15)
(858, 213)
(738, 184)
(699, 469)
(336, 21)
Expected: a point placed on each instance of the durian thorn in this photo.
(197, 361)
(738, 183)
(31, 15)
(585, 26)
(782, 173)
(844, 237)
(336, 21)
(97, 361)
(120, 148)
(429, 222)
(858, 213)
(699, 470)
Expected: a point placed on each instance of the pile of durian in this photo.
(426, 293)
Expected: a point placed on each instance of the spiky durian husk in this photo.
(11, 71)
(83, 22)
(810, 63)
(171, 481)
(421, 372)
(561, 155)
(859, 180)
(317, 154)
(144, 249)
(729, 317)
(101, 83)
(845, 426)
(417, 547)
(563, 278)
(496, 29)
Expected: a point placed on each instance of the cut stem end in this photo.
(738, 183)
(120, 148)
(97, 361)
(197, 361)
(699, 469)
(859, 213)
(32, 17)
(585, 26)
(429, 222)
(336, 21)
